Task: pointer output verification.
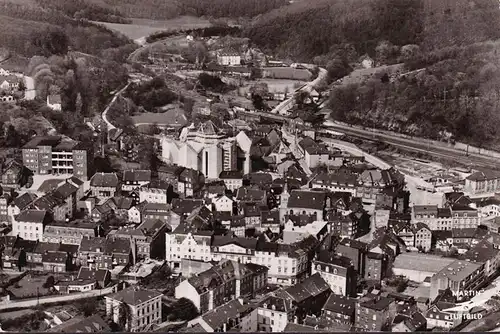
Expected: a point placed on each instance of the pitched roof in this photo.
(104, 180)
(483, 176)
(54, 99)
(24, 200)
(311, 287)
(32, 216)
(140, 175)
(86, 273)
(307, 199)
(217, 317)
(135, 296)
(231, 174)
(340, 304)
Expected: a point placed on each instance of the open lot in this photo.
(144, 27)
(29, 286)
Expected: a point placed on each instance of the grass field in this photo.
(144, 27)
(276, 85)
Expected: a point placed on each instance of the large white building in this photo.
(207, 149)
(29, 224)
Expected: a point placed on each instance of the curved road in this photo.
(105, 112)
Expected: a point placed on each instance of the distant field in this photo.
(144, 27)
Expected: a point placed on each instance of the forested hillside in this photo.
(167, 9)
(32, 30)
(452, 42)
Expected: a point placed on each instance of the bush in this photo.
(49, 283)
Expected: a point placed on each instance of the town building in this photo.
(374, 313)
(482, 184)
(70, 233)
(316, 154)
(30, 224)
(140, 307)
(340, 181)
(228, 58)
(55, 155)
(274, 314)
(104, 185)
(458, 276)
(337, 271)
(339, 309)
(221, 283)
(135, 179)
(54, 102)
(233, 179)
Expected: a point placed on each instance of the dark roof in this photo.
(377, 303)
(231, 174)
(250, 194)
(185, 206)
(483, 176)
(86, 273)
(340, 304)
(217, 317)
(135, 296)
(42, 141)
(104, 180)
(307, 199)
(278, 304)
(65, 190)
(311, 287)
(123, 203)
(136, 175)
(312, 147)
(92, 324)
(55, 257)
(338, 177)
(292, 327)
(24, 200)
(32, 216)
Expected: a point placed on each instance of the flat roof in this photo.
(421, 262)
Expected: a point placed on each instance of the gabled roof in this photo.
(135, 296)
(32, 216)
(136, 175)
(24, 200)
(311, 287)
(86, 273)
(307, 199)
(340, 304)
(104, 180)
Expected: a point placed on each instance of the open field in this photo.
(144, 27)
(29, 286)
(275, 85)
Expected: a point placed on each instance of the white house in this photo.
(223, 204)
(29, 224)
(135, 215)
(228, 58)
(54, 102)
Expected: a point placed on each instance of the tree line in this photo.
(220, 30)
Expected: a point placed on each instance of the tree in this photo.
(258, 102)
(22, 86)
(183, 309)
(52, 41)
(124, 316)
(13, 138)
(49, 283)
(337, 68)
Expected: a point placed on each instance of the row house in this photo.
(221, 283)
(156, 191)
(237, 316)
(102, 253)
(288, 264)
(484, 252)
(148, 239)
(104, 185)
(308, 296)
(275, 313)
(374, 313)
(311, 202)
(339, 309)
(337, 271)
(135, 179)
(70, 233)
(374, 182)
(186, 242)
(340, 181)
(465, 217)
(418, 236)
(232, 179)
(190, 182)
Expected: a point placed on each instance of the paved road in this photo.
(105, 112)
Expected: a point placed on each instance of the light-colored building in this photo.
(228, 58)
(54, 102)
(135, 179)
(30, 224)
(274, 313)
(139, 307)
(223, 204)
(339, 181)
(459, 276)
(69, 232)
(232, 179)
(482, 184)
(337, 271)
(316, 154)
(417, 267)
(104, 185)
(55, 155)
(206, 149)
(292, 233)
(155, 192)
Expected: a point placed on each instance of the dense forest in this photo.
(31, 30)
(82, 9)
(167, 9)
(449, 88)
